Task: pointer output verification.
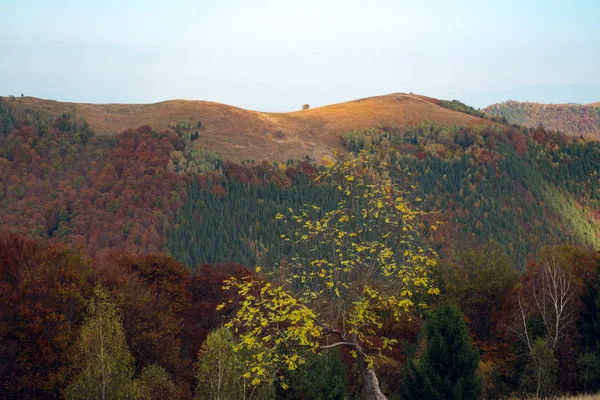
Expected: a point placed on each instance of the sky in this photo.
(275, 55)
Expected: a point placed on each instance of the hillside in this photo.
(489, 183)
(572, 119)
(129, 212)
(62, 181)
(239, 134)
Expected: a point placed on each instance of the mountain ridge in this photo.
(238, 134)
(571, 119)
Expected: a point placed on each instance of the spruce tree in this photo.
(102, 357)
(589, 329)
(446, 361)
(589, 323)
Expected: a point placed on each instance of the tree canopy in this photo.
(445, 366)
(362, 262)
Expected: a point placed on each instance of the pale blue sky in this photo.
(276, 55)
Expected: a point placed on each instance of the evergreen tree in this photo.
(589, 323)
(589, 368)
(102, 357)
(446, 361)
(477, 283)
(589, 329)
(322, 377)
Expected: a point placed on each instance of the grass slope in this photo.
(239, 134)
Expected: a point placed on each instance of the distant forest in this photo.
(572, 119)
(133, 236)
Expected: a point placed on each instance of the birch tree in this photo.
(548, 293)
(103, 361)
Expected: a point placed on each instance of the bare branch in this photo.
(338, 333)
(338, 344)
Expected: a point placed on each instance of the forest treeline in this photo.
(132, 237)
(461, 107)
(572, 119)
(164, 334)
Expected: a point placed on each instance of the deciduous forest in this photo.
(572, 119)
(429, 261)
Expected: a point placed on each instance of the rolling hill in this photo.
(79, 209)
(572, 119)
(239, 134)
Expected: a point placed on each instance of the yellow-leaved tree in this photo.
(357, 265)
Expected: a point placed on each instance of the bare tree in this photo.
(550, 292)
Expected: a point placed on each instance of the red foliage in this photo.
(572, 119)
(218, 190)
(530, 291)
(206, 292)
(238, 172)
(309, 169)
(44, 291)
(539, 135)
(291, 173)
(518, 140)
(152, 292)
(93, 194)
(420, 155)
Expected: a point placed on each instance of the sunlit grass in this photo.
(238, 134)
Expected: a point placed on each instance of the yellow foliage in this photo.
(378, 257)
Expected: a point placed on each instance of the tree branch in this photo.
(338, 344)
(338, 333)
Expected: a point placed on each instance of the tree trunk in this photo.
(369, 379)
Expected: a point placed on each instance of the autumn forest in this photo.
(418, 261)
